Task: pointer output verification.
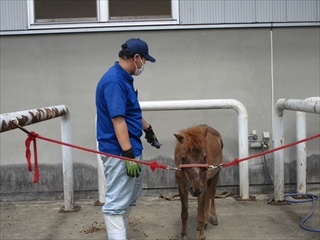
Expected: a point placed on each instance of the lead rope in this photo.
(237, 160)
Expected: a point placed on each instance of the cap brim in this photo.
(149, 58)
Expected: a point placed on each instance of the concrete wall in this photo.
(47, 70)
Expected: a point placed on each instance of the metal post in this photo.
(32, 116)
(67, 163)
(301, 153)
(101, 180)
(302, 149)
(280, 106)
(278, 155)
(102, 184)
(243, 152)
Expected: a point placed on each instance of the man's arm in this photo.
(145, 124)
(121, 129)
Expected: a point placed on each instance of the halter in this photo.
(207, 166)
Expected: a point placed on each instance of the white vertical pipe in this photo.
(301, 124)
(101, 180)
(301, 153)
(102, 184)
(67, 163)
(278, 155)
(243, 152)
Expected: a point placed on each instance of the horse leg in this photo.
(183, 193)
(206, 209)
(201, 215)
(207, 205)
(213, 188)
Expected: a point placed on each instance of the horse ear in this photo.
(205, 132)
(178, 137)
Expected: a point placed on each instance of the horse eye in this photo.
(205, 159)
(183, 160)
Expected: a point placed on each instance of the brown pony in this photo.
(198, 145)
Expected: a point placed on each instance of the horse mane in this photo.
(193, 138)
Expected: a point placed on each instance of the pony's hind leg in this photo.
(213, 188)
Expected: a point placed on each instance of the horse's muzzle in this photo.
(196, 192)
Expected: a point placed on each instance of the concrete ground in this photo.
(158, 218)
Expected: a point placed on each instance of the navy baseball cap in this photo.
(136, 45)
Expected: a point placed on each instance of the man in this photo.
(119, 129)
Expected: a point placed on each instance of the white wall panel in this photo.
(262, 9)
(240, 11)
(302, 10)
(248, 11)
(13, 15)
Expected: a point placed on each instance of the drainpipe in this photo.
(28, 117)
(281, 105)
(302, 149)
(215, 104)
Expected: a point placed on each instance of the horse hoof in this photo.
(205, 225)
(214, 220)
(183, 237)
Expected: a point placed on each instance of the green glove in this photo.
(133, 168)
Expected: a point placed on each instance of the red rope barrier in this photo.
(153, 164)
(237, 160)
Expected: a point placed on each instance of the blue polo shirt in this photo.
(115, 96)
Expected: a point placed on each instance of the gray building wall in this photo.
(14, 14)
(47, 70)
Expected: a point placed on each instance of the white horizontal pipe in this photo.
(298, 105)
(31, 116)
(280, 106)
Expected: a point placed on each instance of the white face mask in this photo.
(139, 70)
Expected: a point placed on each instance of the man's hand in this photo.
(133, 168)
(151, 137)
